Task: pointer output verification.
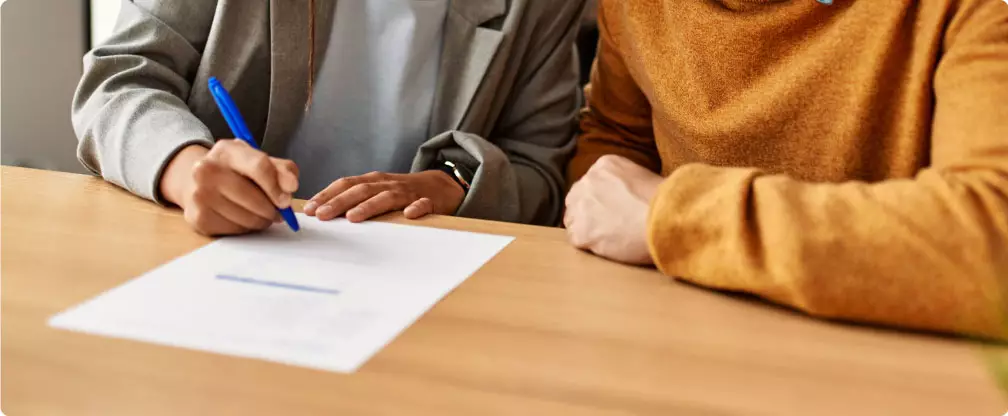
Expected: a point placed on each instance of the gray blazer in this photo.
(506, 103)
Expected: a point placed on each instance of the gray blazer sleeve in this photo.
(519, 169)
(129, 111)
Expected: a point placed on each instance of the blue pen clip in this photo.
(238, 127)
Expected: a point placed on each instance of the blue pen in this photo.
(241, 131)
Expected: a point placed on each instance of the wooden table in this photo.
(542, 329)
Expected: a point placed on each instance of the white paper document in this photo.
(327, 297)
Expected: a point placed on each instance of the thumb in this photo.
(419, 208)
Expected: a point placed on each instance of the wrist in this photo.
(447, 180)
(177, 175)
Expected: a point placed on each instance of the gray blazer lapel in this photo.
(466, 54)
(289, 65)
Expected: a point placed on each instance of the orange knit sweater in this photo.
(848, 160)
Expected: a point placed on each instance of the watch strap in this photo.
(457, 173)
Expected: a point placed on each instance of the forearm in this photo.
(528, 195)
(928, 253)
(519, 163)
(129, 111)
(600, 138)
(524, 185)
(129, 137)
(617, 117)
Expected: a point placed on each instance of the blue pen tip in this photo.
(290, 219)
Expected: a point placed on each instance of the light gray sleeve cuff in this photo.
(503, 189)
(166, 155)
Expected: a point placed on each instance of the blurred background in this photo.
(43, 42)
(40, 66)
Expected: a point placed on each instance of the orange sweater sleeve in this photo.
(617, 117)
(928, 253)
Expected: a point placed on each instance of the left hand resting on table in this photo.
(367, 196)
(607, 210)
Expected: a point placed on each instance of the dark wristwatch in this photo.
(457, 172)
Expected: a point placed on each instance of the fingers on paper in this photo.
(388, 200)
(419, 208)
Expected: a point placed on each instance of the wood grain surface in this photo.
(542, 329)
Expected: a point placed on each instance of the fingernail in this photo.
(352, 215)
(323, 211)
(285, 200)
(310, 205)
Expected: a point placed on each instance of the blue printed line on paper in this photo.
(278, 284)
